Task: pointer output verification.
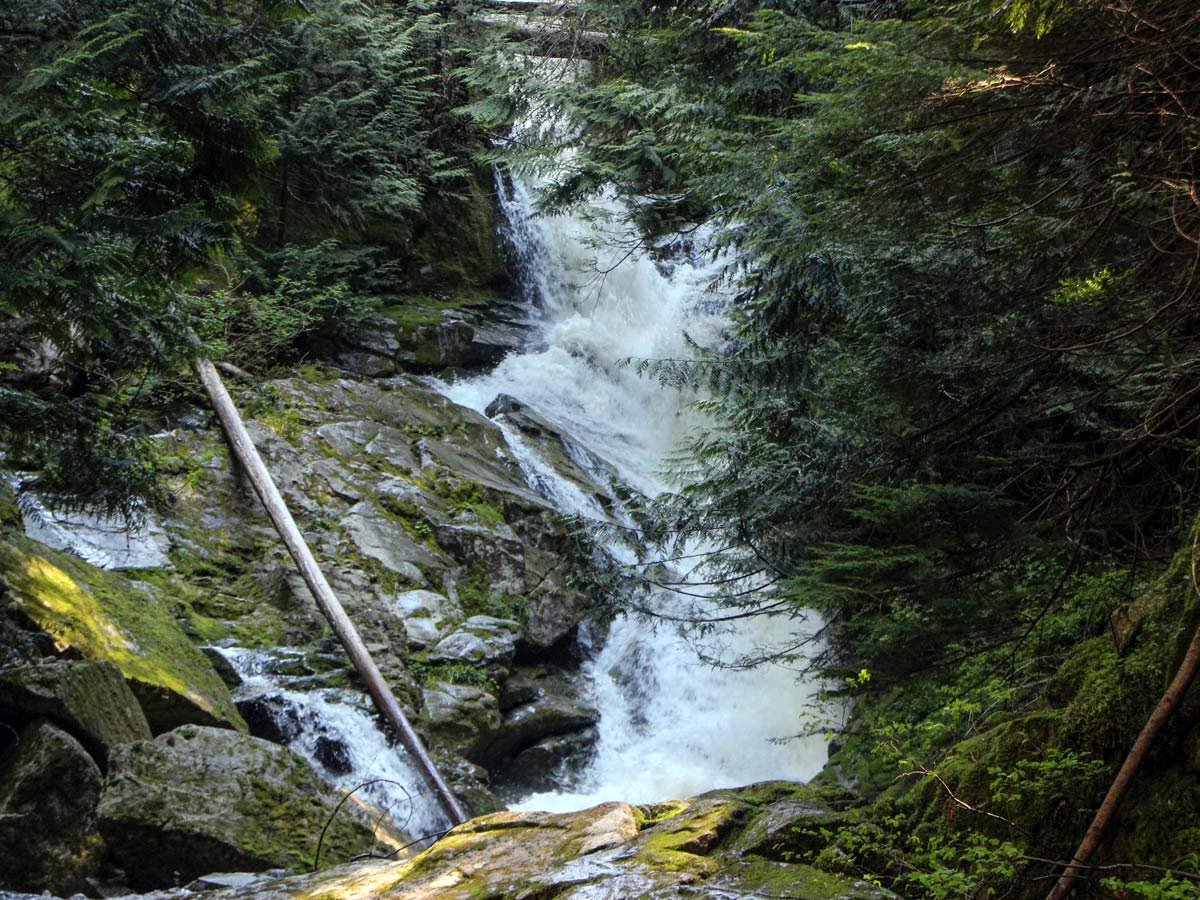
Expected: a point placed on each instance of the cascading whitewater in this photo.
(671, 725)
(336, 731)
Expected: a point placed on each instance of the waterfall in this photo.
(106, 541)
(671, 725)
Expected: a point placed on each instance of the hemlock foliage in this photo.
(254, 171)
(957, 413)
(965, 333)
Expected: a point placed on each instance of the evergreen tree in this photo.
(252, 171)
(966, 317)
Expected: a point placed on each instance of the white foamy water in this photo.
(671, 725)
(336, 732)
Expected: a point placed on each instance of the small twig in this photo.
(342, 802)
(403, 847)
(1193, 876)
(961, 804)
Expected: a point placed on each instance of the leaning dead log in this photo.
(1184, 676)
(264, 485)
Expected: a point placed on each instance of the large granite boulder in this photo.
(547, 732)
(104, 617)
(543, 717)
(90, 700)
(49, 788)
(427, 616)
(552, 763)
(462, 718)
(199, 800)
(481, 642)
(552, 615)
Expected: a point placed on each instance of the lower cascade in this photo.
(336, 731)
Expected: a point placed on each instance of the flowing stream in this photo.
(671, 725)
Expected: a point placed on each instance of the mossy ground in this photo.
(418, 311)
(1007, 756)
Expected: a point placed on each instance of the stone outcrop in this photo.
(199, 800)
(454, 570)
(660, 852)
(49, 788)
(90, 700)
(559, 448)
(462, 718)
(435, 333)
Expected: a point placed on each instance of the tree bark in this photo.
(1116, 793)
(246, 454)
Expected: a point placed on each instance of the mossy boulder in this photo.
(462, 718)
(467, 329)
(90, 700)
(659, 852)
(427, 616)
(102, 616)
(49, 788)
(200, 800)
(482, 642)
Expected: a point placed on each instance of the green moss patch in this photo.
(798, 882)
(103, 616)
(423, 310)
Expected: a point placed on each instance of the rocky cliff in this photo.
(458, 575)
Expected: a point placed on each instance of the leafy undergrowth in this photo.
(983, 775)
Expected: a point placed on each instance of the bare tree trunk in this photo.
(243, 449)
(1120, 786)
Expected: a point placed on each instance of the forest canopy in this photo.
(964, 362)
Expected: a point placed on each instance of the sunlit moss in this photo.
(104, 616)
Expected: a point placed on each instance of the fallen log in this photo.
(264, 485)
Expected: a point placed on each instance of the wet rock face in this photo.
(49, 788)
(110, 619)
(200, 800)
(453, 569)
(462, 718)
(661, 852)
(559, 448)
